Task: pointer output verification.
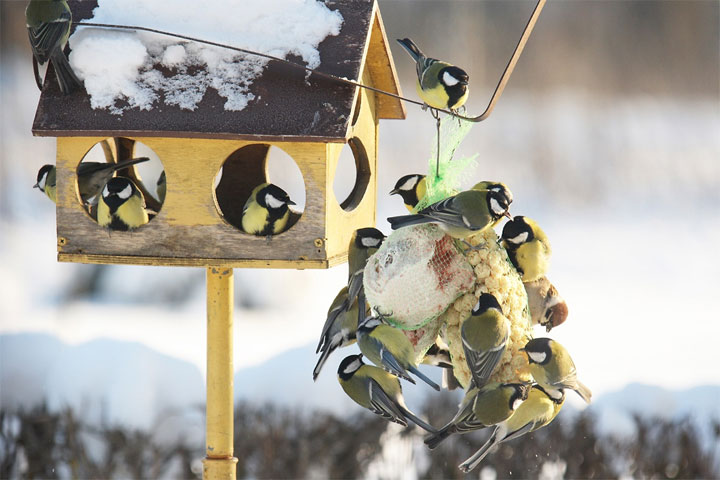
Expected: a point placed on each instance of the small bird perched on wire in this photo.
(461, 215)
(482, 407)
(540, 408)
(48, 23)
(121, 205)
(389, 348)
(439, 84)
(267, 211)
(528, 247)
(411, 188)
(378, 391)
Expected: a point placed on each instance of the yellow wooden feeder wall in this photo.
(309, 119)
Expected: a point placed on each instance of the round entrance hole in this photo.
(251, 166)
(120, 157)
(352, 175)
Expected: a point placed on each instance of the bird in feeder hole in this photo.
(540, 408)
(485, 334)
(552, 367)
(528, 247)
(121, 205)
(46, 181)
(411, 188)
(48, 24)
(439, 84)
(389, 348)
(267, 211)
(378, 391)
(461, 215)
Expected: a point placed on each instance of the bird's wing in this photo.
(355, 284)
(46, 37)
(383, 405)
(446, 211)
(332, 316)
(482, 363)
(389, 362)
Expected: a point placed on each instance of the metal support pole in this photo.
(219, 462)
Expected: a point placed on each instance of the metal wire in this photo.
(498, 90)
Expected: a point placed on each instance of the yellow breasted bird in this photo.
(484, 337)
(46, 182)
(411, 188)
(439, 84)
(121, 205)
(481, 408)
(528, 247)
(538, 410)
(378, 391)
(92, 176)
(547, 307)
(266, 212)
(552, 368)
(364, 242)
(461, 215)
(389, 348)
(48, 23)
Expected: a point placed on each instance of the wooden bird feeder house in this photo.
(310, 119)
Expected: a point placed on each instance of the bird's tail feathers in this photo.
(66, 77)
(412, 49)
(583, 391)
(407, 220)
(128, 163)
(321, 361)
(424, 378)
(477, 457)
(36, 71)
(418, 421)
(432, 441)
(449, 382)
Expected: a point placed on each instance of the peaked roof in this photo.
(285, 108)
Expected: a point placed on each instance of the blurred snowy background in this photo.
(608, 135)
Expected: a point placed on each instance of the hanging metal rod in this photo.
(498, 90)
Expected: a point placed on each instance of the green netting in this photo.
(451, 171)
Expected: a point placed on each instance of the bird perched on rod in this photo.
(267, 211)
(484, 337)
(439, 84)
(378, 391)
(389, 348)
(538, 410)
(339, 330)
(552, 368)
(528, 247)
(121, 205)
(547, 307)
(48, 23)
(364, 242)
(482, 407)
(46, 181)
(461, 215)
(411, 188)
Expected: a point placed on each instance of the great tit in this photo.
(92, 176)
(528, 247)
(482, 407)
(364, 242)
(378, 391)
(439, 84)
(46, 182)
(552, 367)
(497, 187)
(547, 307)
(389, 348)
(266, 212)
(161, 187)
(339, 330)
(411, 188)
(538, 410)
(48, 23)
(121, 205)
(461, 215)
(484, 337)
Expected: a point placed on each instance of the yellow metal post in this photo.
(219, 462)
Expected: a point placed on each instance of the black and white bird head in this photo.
(453, 76)
(485, 303)
(42, 176)
(349, 366)
(273, 198)
(498, 204)
(519, 395)
(538, 350)
(117, 190)
(407, 183)
(517, 231)
(366, 238)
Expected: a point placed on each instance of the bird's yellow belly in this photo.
(434, 97)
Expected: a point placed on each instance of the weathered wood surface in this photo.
(286, 107)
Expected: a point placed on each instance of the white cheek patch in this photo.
(41, 183)
(496, 208)
(105, 192)
(409, 184)
(522, 238)
(517, 403)
(273, 202)
(537, 357)
(370, 242)
(352, 367)
(449, 80)
(125, 193)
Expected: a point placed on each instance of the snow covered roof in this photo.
(284, 106)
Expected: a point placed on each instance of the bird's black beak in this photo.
(37, 185)
(290, 202)
(507, 214)
(463, 82)
(394, 191)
